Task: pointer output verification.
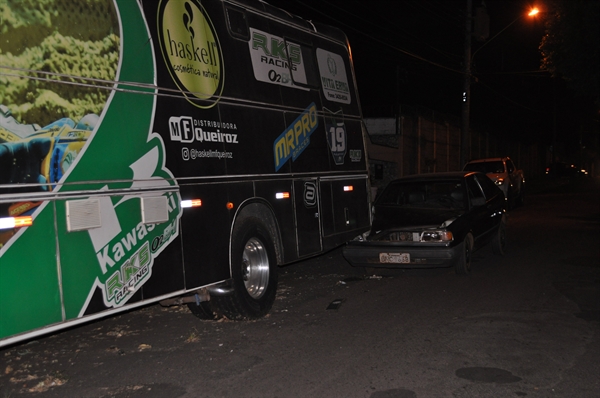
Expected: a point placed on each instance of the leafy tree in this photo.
(571, 45)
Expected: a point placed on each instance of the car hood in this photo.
(388, 217)
(495, 176)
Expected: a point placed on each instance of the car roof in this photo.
(488, 160)
(451, 175)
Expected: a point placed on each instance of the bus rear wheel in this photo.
(254, 273)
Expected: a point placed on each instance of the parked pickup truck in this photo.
(505, 175)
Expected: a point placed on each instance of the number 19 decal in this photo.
(336, 137)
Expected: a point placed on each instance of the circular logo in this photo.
(191, 50)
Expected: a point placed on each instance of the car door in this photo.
(481, 210)
(495, 204)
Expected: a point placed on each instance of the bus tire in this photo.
(253, 271)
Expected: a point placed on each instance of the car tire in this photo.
(499, 241)
(253, 271)
(463, 263)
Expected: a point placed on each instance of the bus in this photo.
(172, 151)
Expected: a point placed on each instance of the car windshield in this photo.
(495, 166)
(441, 194)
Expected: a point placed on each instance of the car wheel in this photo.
(463, 263)
(499, 241)
(254, 273)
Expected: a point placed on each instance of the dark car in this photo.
(564, 170)
(432, 220)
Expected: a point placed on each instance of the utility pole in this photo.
(466, 98)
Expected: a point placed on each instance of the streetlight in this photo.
(466, 96)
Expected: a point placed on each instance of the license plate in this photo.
(394, 258)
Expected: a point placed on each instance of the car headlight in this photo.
(436, 236)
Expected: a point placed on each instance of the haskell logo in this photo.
(191, 50)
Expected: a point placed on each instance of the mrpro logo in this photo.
(296, 137)
(186, 129)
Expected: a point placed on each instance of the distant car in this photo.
(564, 170)
(505, 175)
(430, 221)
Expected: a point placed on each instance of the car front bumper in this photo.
(369, 254)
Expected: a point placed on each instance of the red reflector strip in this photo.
(15, 222)
(191, 203)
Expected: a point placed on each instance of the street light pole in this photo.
(466, 96)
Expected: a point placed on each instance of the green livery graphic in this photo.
(69, 152)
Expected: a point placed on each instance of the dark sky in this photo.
(413, 51)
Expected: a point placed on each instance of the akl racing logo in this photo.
(186, 129)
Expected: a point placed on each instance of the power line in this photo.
(380, 41)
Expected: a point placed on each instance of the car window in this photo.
(474, 189)
(510, 166)
(443, 193)
(495, 166)
(489, 188)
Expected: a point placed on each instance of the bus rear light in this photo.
(282, 195)
(15, 222)
(229, 205)
(191, 203)
(348, 188)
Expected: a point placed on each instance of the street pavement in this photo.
(523, 325)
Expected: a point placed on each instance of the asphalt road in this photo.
(523, 325)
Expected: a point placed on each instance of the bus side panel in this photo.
(29, 285)
(347, 209)
(205, 240)
(253, 151)
(283, 209)
(241, 82)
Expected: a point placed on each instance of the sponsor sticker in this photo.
(336, 135)
(333, 77)
(296, 137)
(273, 58)
(191, 50)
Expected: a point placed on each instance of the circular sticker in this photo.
(191, 50)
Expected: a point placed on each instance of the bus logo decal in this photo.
(296, 137)
(333, 77)
(310, 194)
(126, 280)
(185, 129)
(336, 135)
(191, 50)
(272, 61)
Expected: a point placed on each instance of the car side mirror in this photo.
(476, 202)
